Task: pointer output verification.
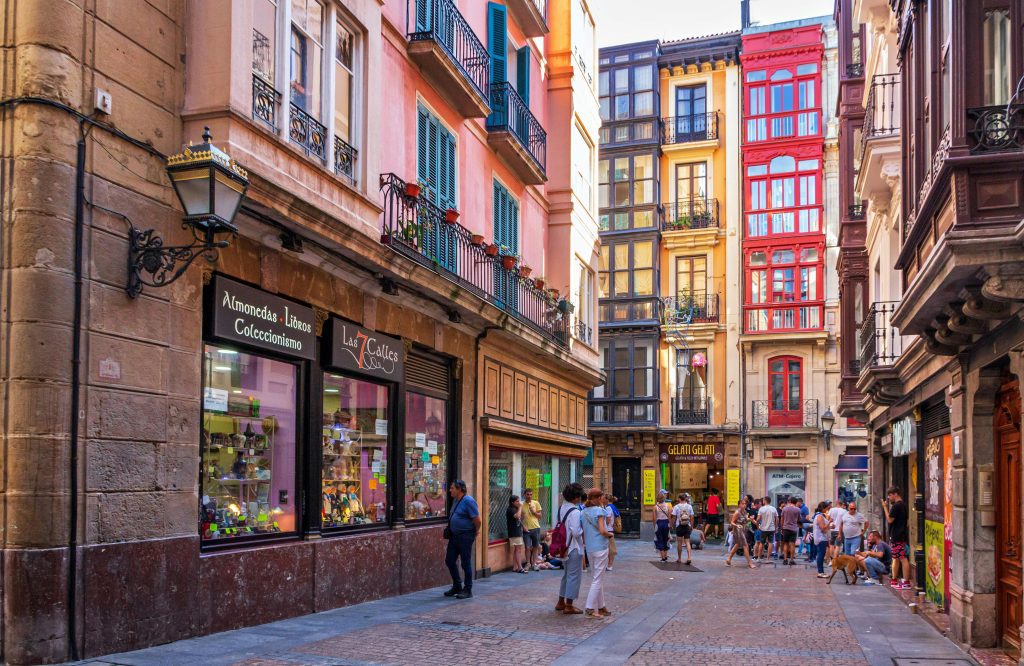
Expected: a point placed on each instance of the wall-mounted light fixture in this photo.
(210, 187)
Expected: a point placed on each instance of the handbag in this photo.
(447, 534)
(617, 524)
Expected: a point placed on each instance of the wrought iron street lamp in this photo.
(210, 187)
(828, 421)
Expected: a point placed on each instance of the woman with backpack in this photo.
(661, 514)
(596, 535)
(567, 543)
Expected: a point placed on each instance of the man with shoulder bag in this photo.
(463, 526)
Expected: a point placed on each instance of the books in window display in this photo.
(342, 449)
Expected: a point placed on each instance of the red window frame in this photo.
(785, 409)
(758, 205)
(763, 88)
(783, 309)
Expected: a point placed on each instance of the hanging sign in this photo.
(352, 347)
(904, 437)
(254, 317)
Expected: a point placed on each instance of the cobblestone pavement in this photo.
(773, 615)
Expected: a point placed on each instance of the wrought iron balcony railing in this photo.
(417, 229)
(307, 132)
(345, 159)
(882, 113)
(689, 309)
(689, 411)
(265, 101)
(583, 332)
(689, 129)
(996, 128)
(691, 213)
(879, 341)
(783, 413)
(509, 113)
(854, 70)
(855, 211)
(441, 22)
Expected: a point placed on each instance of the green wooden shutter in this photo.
(446, 173)
(422, 120)
(523, 74)
(497, 40)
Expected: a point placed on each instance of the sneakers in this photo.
(822, 575)
(535, 568)
(871, 581)
(608, 569)
(905, 585)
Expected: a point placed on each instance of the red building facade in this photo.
(783, 231)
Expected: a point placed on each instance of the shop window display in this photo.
(537, 477)
(499, 490)
(426, 456)
(248, 447)
(355, 452)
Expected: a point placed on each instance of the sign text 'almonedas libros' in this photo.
(254, 317)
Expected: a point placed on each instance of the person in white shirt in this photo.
(767, 519)
(572, 575)
(682, 520)
(835, 514)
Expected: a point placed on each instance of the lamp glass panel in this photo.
(227, 196)
(193, 189)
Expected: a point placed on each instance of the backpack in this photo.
(560, 536)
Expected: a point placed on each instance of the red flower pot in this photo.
(412, 190)
(525, 271)
(491, 250)
(553, 293)
(476, 239)
(508, 263)
(451, 216)
(538, 283)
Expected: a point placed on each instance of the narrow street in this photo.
(720, 615)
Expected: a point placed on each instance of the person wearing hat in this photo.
(682, 519)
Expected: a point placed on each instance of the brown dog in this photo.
(849, 565)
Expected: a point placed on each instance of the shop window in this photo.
(248, 456)
(499, 490)
(537, 476)
(426, 456)
(781, 483)
(355, 452)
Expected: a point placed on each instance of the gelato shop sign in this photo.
(253, 317)
(690, 452)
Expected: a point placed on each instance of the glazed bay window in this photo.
(782, 103)
(628, 394)
(627, 184)
(247, 464)
(784, 288)
(783, 197)
(354, 448)
(426, 456)
(626, 269)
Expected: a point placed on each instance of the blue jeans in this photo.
(460, 547)
(819, 555)
(850, 545)
(572, 576)
(875, 568)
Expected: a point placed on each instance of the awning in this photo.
(859, 463)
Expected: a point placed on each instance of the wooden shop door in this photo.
(1008, 527)
(626, 486)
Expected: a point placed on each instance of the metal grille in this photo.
(428, 373)
(935, 420)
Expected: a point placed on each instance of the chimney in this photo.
(744, 14)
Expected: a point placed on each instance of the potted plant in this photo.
(524, 268)
(412, 190)
(565, 307)
(476, 240)
(508, 261)
(451, 216)
(538, 282)
(491, 250)
(553, 294)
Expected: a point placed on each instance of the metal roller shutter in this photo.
(428, 373)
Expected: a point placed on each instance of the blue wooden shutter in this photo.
(446, 198)
(424, 11)
(422, 159)
(497, 40)
(523, 74)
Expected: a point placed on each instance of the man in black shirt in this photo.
(877, 558)
(896, 517)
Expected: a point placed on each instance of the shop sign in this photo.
(693, 452)
(252, 316)
(904, 437)
(649, 494)
(732, 487)
(784, 453)
(356, 348)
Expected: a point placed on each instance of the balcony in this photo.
(625, 412)
(855, 212)
(684, 310)
(530, 15)
(515, 134)
(992, 129)
(769, 414)
(307, 132)
(583, 332)
(880, 345)
(418, 230)
(640, 312)
(450, 55)
(345, 159)
(790, 317)
(266, 101)
(691, 213)
(678, 130)
(879, 151)
(689, 412)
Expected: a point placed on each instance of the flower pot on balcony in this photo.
(491, 250)
(412, 190)
(525, 271)
(508, 263)
(451, 216)
(538, 283)
(476, 240)
(553, 293)
(565, 307)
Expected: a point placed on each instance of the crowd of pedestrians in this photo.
(584, 536)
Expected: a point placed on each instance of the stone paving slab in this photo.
(712, 615)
